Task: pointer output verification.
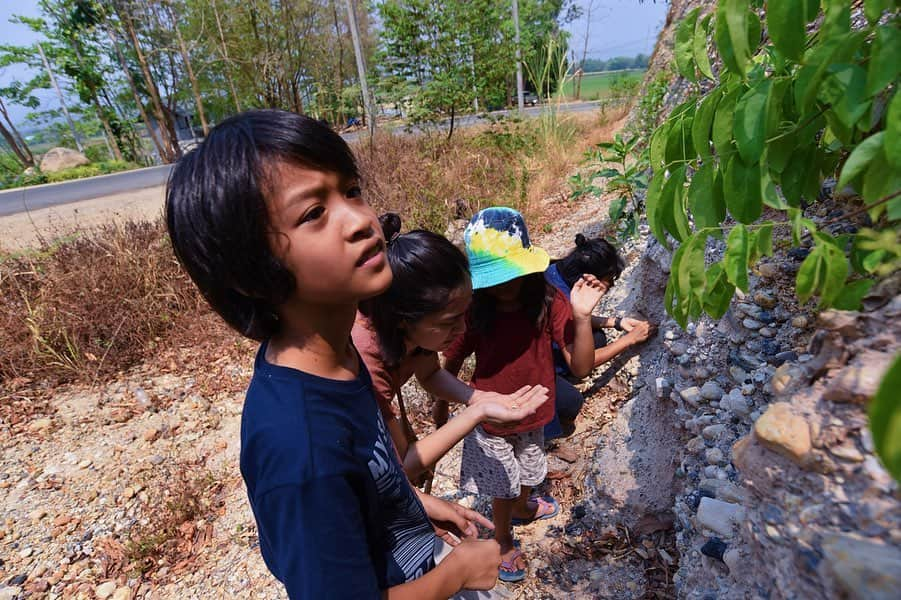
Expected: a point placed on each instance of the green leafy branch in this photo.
(784, 113)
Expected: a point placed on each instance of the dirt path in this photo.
(27, 229)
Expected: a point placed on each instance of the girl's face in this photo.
(437, 330)
(506, 293)
(327, 236)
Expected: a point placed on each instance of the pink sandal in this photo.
(547, 508)
(508, 573)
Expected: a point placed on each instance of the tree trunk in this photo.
(451, 130)
(171, 149)
(157, 142)
(14, 139)
(228, 63)
(187, 60)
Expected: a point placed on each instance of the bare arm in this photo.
(471, 565)
(587, 292)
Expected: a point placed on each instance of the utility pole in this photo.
(361, 68)
(62, 101)
(519, 93)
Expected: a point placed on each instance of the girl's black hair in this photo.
(594, 256)
(217, 216)
(427, 268)
(535, 297)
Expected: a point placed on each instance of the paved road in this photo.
(42, 196)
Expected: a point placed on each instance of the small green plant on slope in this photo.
(625, 178)
(784, 115)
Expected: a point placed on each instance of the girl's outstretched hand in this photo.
(511, 408)
(586, 294)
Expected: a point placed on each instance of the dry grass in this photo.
(90, 305)
(97, 302)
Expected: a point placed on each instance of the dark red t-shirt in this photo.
(513, 354)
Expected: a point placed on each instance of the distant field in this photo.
(597, 85)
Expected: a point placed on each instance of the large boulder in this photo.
(59, 159)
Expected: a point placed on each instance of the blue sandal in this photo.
(547, 508)
(508, 573)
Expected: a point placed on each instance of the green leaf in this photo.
(852, 294)
(724, 42)
(885, 59)
(735, 260)
(673, 214)
(655, 208)
(722, 123)
(703, 121)
(880, 180)
(885, 419)
(768, 193)
(780, 151)
(873, 9)
(616, 209)
(699, 47)
(785, 21)
(817, 60)
(742, 186)
(657, 150)
(691, 268)
(707, 207)
(750, 121)
(893, 132)
(718, 291)
(808, 278)
(679, 147)
(843, 89)
(834, 275)
(893, 209)
(860, 158)
(737, 14)
(684, 45)
(765, 239)
(837, 17)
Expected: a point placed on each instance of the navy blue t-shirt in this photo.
(336, 515)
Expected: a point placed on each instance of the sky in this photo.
(616, 28)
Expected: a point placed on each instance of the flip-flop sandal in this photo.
(508, 573)
(547, 508)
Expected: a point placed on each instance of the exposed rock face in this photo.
(59, 159)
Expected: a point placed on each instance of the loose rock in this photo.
(865, 569)
(719, 516)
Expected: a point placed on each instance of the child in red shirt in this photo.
(514, 317)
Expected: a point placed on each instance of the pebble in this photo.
(767, 270)
(41, 424)
(714, 548)
(800, 322)
(847, 450)
(692, 395)
(719, 516)
(864, 568)
(711, 391)
(772, 514)
(767, 332)
(738, 374)
(26, 552)
(751, 324)
(764, 299)
(736, 403)
(732, 558)
(661, 387)
(678, 348)
(9, 593)
(105, 590)
(711, 432)
(784, 432)
(122, 593)
(723, 490)
(714, 456)
(783, 357)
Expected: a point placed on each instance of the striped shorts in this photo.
(498, 466)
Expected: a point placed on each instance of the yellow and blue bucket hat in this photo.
(499, 250)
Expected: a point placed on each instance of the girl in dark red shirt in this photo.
(515, 315)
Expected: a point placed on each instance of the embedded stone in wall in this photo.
(782, 431)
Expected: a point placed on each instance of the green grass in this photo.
(599, 85)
